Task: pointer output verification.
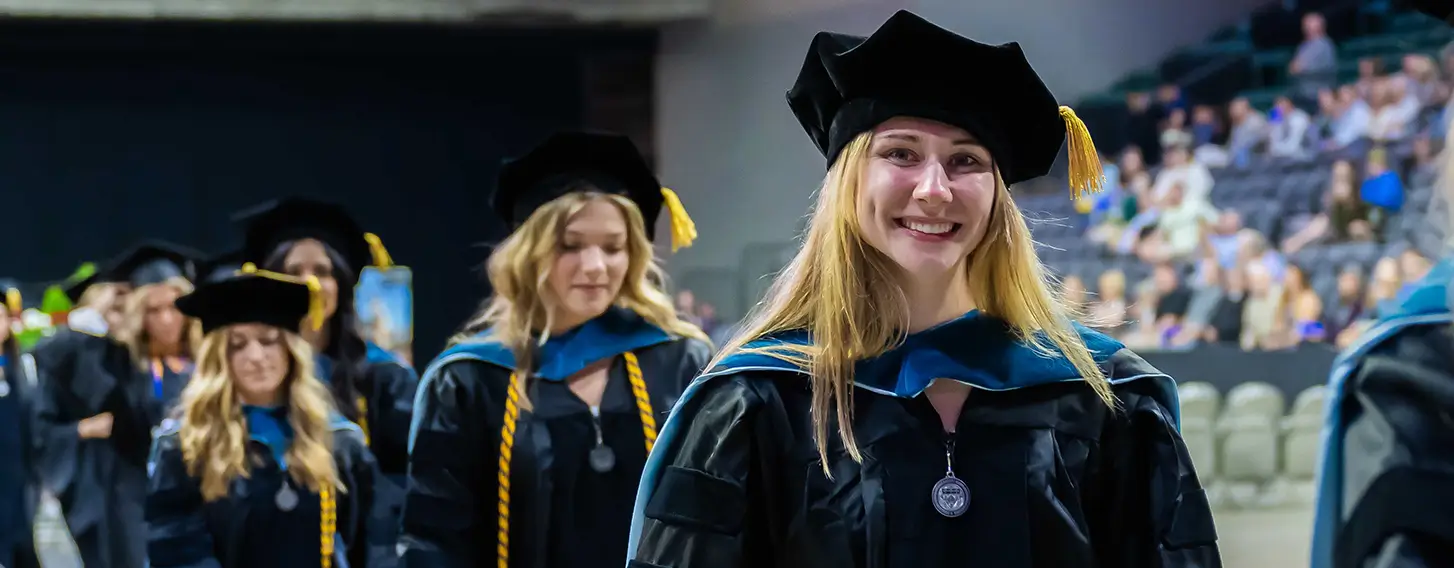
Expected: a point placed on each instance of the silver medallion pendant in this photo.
(286, 499)
(950, 496)
(4, 388)
(602, 459)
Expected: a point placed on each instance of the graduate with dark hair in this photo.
(305, 237)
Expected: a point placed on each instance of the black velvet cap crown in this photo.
(149, 262)
(566, 161)
(910, 67)
(248, 298)
(276, 222)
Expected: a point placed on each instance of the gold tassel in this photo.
(1086, 176)
(683, 230)
(380, 254)
(13, 303)
(316, 314)
(315, 303)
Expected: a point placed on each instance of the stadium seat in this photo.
(1200, 403)
(1250, 444)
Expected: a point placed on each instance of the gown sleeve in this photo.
(55, 439)
(697, 513)
(1152, 510)
(362, 471)
(1398, 404)
(394, 408)
(177, 533)
(698, 354)
(449, 513)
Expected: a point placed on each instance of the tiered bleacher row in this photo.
(1250, 448)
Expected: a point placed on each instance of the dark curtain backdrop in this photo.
(114, 132)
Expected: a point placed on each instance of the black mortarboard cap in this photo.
(220, 266)
(259, 297)
(566, 161)
(74, 290)
(850, 84)
(150, 262)
(276, 222)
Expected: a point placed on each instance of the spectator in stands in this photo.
(1344, 216)
(1347, 306)
(1315, 64)
(717, 330)
(1175, 131)
(1219, 239)
(1384, 288)
(1262, 324)
(1207, 137)
(1144, 125)
(1421, 77)
(1225, 324)
(1142, 333)
(1172, 300)
(1109, 310)
(1249, 130)
(1412, 267)
(1252, 248)
(1179, 228)
(1423, 168)
(1073, 294)
(1206, 293)
(1382, 189)
(687, 307)
(1349, 121)
(1179, 168)
(1294, 284)
(1307, 315)
(1393, 110)
(1289, 129)
(1370, 71)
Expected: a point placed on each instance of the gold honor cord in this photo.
(643, 399)
(328, 524)
(507, 443)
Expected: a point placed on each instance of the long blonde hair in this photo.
(519, 270)
(842, 291)
(132, 331)
(214, 434)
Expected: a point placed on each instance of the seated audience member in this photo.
(1343, 216)
(1109, 308)
(1225, 324)
(1262, 323)
(1381, 187)
(1289, 129)
(1347, 306)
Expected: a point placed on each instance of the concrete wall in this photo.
(729, 146)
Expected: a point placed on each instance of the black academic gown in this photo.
(101, 484)
(1386, 484)
(19, 483)
(388, 387)
(248, 529)
(1053, 477)
(560, 512)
